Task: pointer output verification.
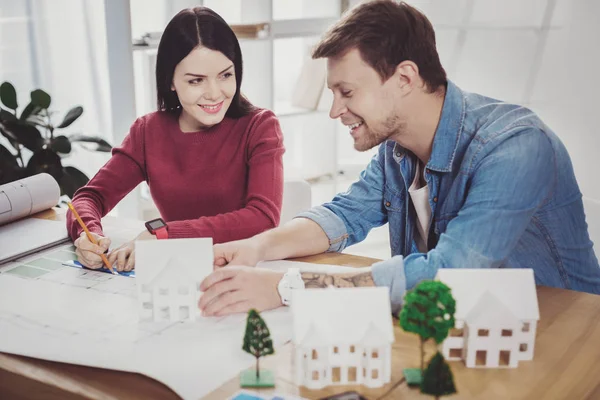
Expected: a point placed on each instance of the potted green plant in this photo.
(35, 145)
(257, 342)
(428, 311)
(437, 378)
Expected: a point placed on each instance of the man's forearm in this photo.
(297, 238)
(322, 280)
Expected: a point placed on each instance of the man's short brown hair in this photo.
(386, 33)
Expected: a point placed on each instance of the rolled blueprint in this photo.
(27, 196)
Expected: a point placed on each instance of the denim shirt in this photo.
(502, 192)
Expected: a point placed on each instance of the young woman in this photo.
(212, 160)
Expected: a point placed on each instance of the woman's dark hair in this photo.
(190, 28)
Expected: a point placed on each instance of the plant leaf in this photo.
(8, 95)
(40, 98)
(61, 144)
(9, 167)
(25, 134)
(103, 145)
(72, 180)
(45, 160)
(71, 116)
(30, 109)
(6, 116)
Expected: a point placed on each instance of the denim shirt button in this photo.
(387, 204)
(435, 199)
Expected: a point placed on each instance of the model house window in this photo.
(523, 347)
(314, 354)
(352, 374)
(481, 357)
(374, 354)
(525, 327)
(374, 373)
(335, 349)
(504, 358)
(455, 352)
(483, 332)
(506, 332)
(315, 375)
(163, 291)
(352, 349)
(165, 313)
(184, 312)
(336, 374)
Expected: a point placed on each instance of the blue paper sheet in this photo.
(77, 264)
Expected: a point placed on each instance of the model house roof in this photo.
(512, 287)
(489, 311)
(323, 317)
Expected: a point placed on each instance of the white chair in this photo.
(592, 217)
(296, 198)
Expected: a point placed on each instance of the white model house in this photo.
(168, 277)
(342, 336)
(496, 316)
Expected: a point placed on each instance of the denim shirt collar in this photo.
(447, 135)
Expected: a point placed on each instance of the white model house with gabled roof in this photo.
(342, 336)
(168, 277)
(496, 316)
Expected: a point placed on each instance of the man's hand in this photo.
(124, 255)
(88, 253)
(240, 252)
(237, 289)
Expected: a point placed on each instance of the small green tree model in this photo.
(428, 311)
(437, 379)
(257, 339)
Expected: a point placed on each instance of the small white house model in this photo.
(496, 316)
(342, 336)
(168, 277)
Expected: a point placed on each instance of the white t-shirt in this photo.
(420, 199)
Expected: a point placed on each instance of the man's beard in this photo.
(372, 138)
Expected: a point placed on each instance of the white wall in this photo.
(540, 53)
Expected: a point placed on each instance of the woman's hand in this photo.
(123, 257)
(88, 253)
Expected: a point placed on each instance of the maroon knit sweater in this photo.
(225, 182)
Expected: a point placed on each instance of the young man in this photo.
(464, 181)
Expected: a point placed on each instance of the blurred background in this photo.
(100, 54)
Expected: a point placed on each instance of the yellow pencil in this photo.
(90, 237)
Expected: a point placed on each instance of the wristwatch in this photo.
(292, 280)
(158, 228)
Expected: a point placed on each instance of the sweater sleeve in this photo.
(121, 174)
(264, 190)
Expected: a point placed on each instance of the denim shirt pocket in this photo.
(394, 203)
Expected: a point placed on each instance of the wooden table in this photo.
(566, 363)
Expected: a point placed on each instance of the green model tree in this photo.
(437, 379)
(257, 339)
(428, 311)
